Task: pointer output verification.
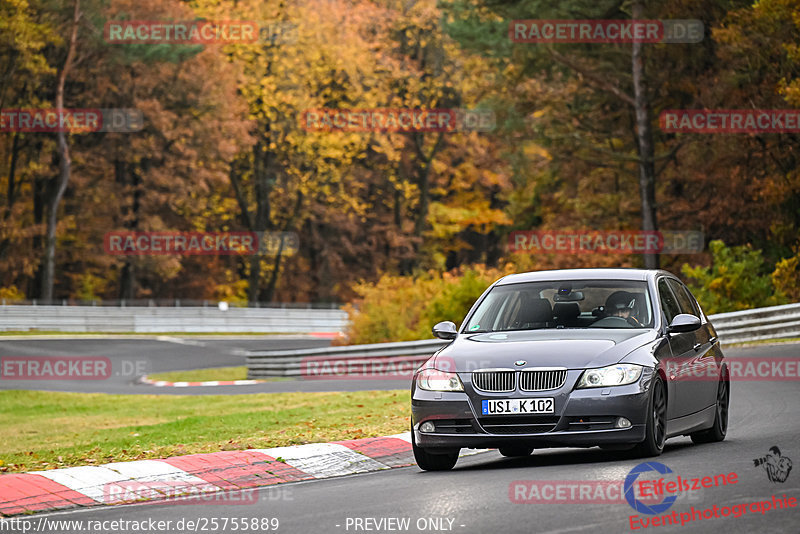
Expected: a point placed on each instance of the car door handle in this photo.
(696, 347)
(713, 340)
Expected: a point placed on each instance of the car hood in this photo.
(570, 348)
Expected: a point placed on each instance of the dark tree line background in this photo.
(577, 143)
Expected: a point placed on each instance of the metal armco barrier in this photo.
(758, 324)
(187, 319)
(735, 327)
(264, 363)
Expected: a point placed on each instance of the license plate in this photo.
(517, 406)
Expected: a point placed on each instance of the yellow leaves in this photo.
(790, 90)
(466, 211)
(532, 150)
(27, 37)
(786, 277)
(11, 293)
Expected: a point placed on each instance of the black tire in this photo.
(427, 460)
(655, 430)
(720, 428)
(515, 452)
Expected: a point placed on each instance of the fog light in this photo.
(427, 426)
(622, 423)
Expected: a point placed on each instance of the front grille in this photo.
(519, 424)
(542, 380)
(494, 380)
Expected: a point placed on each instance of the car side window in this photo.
(668, 302)
(685, 300)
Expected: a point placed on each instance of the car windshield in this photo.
(564, 304)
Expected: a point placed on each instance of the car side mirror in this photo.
(683, 322)
(445, 330)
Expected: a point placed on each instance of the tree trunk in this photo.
(423, 180)
(269, 293)
(129, 176)
(12, 189)
(424, 200)
(644, 137)
(263, 186)
(12, 171)
(64, 168)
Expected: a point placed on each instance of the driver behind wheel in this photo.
(622, 304)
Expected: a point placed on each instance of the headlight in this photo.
(613, 375)
(434, 380)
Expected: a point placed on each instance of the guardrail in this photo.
(266, 363)
(185, 319)
(758, 324)
(734, 327)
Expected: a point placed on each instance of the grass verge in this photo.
(47, 430)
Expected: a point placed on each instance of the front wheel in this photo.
(720, 428)
(656, 428)
(433, 461)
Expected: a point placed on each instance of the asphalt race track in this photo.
(475, 497)
(156, 355)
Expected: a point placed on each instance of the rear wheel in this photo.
(720, 428)
(656, 428)
(428, 460)
(515, 452)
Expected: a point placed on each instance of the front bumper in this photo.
(459, 423)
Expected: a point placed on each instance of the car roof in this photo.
(583, 274)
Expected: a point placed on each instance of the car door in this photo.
(669, 308)
(680, 365)
(702, 388)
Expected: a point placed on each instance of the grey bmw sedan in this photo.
(616, 358)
